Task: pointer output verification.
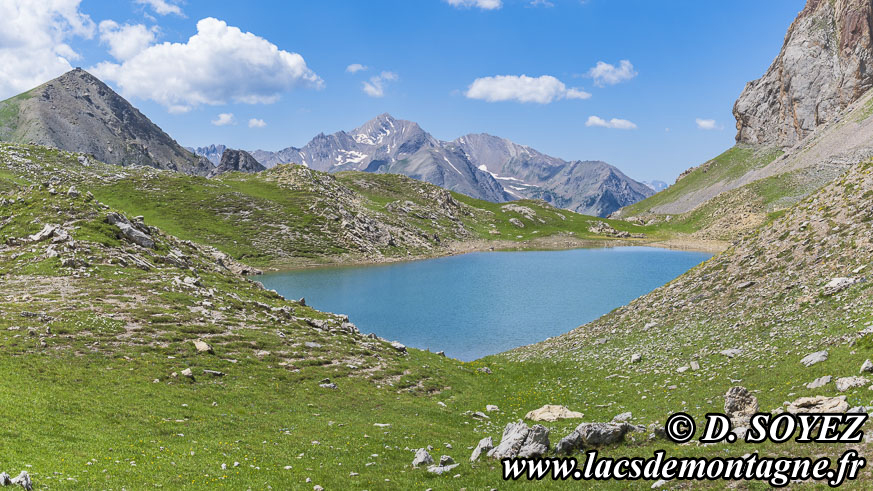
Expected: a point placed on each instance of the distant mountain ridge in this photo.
(79, 113)
(481, 166)
(212, 153)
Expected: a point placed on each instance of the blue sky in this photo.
(689, 60)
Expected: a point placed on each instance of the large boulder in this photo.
(846, 383)
(518, 439)
(592, 435)
(813, 358)
(740, 404)
(422, 457)
(551, 412)
(818, 404)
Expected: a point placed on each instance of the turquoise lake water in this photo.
(479, 304)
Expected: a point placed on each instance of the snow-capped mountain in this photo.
(480, 165)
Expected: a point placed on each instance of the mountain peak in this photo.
(77, 112)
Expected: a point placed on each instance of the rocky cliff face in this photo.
(79, 113)
(237, 161)
(825, 65)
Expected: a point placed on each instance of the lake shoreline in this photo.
(480, 304)
(548, 243)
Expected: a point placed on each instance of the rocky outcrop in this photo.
(237, 161)
(519, 440)
(79, 113)
(825, 65)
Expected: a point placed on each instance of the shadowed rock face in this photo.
(237, 161)
(825, 65)
(79, 113)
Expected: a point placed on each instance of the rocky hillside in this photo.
(799, 284)
(79, 113)
(237, 161)
(825, 64)
(481, 166)
(294, 216)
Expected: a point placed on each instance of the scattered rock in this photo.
(819, 382)
(588, 435)
(188, 373)
(485, 445)
(818, 404)
(867, 367)
(636, 358)
(214, 373)
(202, 347)
(740, 405)
(422, 457)
(846, 383)
(813, 358)
(551, 412)
(5, 479)
(485, 370)
(23, 480)
(732, 352)
(398, 346)
(491, 408)
(837, 285)
(623, 417)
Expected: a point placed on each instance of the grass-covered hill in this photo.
(100, 311)
(292, 216)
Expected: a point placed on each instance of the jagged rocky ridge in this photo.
(481, 166)
(79, 113)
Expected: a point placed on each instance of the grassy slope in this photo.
(289, 216)
(730, 165)
(89, 394)
(9, 115)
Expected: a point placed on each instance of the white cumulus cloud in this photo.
(542, 90)
(162, 7)
(33, 41)
(126, 41)
(223, 119)
(706, 124)
(482, 4)
(375, 87)
(219, 64)
(606, 74)
(355, 68)
(614, 123)
(257, 123)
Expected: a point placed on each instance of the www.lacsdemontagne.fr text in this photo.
(776, 472)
